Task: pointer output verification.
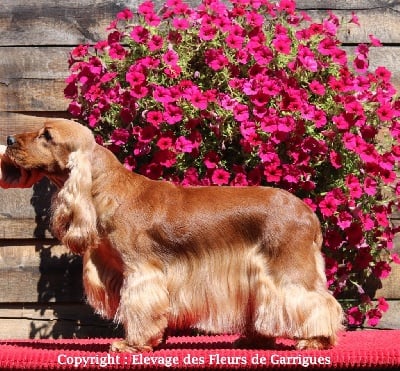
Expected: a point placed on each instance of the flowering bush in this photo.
(255, 93)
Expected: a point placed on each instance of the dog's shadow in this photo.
(60, 295)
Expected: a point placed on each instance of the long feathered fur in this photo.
(74, 219)
(245, 260)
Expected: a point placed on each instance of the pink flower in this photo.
(165, 158)
(162, 94)
(370, 186)
(140, 34)
(216, 59)
(125, 14)
(361, 63)
(263, 55)
(80, 51)
(120, 137)
(152, 19)
(207, 32)
(354, 19)
(183, 144)
(282, 44)
(220, 177)
(354, 186)
(241, 112)
(234, 42)
(383, 74)
(75, 109)
(156, 42)
(145, 8)
(199, 100)
(211, 160)
(288, 6)
(374, 41)
(382, 304)
(254, 19)
(363, 258)
(170, 57)
(135, 78)
(173, 114)
(180, 23)
(154, 117)
(165, 142)
(344, 220)
(240, 180)
(373, 317)
(354, 234)
(329, 204)
(317, 88)
(385, 112)
(381, 269)
(272, 173)
(381, 218)
(335, 159)
(354, 316)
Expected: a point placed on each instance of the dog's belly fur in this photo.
(214, 294)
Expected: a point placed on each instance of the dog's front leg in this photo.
(143, 309)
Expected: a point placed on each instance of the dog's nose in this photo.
(11, 140)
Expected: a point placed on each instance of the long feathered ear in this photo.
(74, 220)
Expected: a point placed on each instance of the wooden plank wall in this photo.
(40, 282)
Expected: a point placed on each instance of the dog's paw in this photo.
(314, 343)
(123, 346)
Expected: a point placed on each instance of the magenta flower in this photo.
(173, 114)
(282, 44)
(385, 112)
(199, 100)
(355, 316)
(317, 88)
(170, 57)
(135, 78)
(120, 136)
(329, 204)
(373, 317)
(154, 117)
(220, 177)
(140, 34)
(211, 160)
(180, 23)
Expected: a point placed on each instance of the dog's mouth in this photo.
(10, 171)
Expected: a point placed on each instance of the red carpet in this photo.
(375, 349)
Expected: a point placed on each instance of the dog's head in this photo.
(49, 149)
(62, 150)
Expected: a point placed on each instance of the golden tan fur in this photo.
(239, 260)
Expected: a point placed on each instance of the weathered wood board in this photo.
(66, 320)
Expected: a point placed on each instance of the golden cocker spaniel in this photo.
(220, 259)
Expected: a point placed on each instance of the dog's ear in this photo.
(74, 219)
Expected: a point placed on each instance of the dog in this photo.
(156, 255)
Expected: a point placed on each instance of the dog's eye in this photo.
(46, 135)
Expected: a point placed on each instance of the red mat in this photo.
(374, 349)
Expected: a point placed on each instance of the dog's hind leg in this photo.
(265, 315)
(143, 309)
(296, 304)
(321, 319)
